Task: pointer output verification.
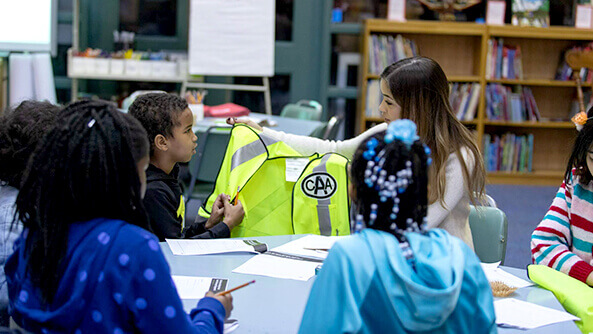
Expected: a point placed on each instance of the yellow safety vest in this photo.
(575, 296)
(314, 200)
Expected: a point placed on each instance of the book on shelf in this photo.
(464, 99)
(508, 153)
(531, 13)
(385, 50)
(503, 61)
(373, 99)
(515, 104)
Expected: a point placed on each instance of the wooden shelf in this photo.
(537, 82)
(453, 78)
(543, 125)
(462, 48)
(550, 178)
(426, 27)
(563, 33)
(380, 120)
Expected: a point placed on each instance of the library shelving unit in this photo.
(462, 48)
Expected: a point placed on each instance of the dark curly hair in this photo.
(413, 201)
(85, 168)
(20, 131)
(158, 113)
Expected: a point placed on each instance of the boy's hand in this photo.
(226, 301)
(233, 214)
(217, 211)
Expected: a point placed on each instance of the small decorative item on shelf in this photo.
(532, 13)
(446, 8)
(578, 59)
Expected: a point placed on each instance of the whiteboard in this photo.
(28, 25)
(232, 37)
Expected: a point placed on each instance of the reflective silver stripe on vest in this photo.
(251, 150)
(325, 222)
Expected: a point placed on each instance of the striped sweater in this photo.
(564, 238)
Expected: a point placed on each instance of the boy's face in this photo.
(182, 146)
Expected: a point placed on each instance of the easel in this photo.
(264, 88)
(577, 60)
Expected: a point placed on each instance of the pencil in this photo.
(236, 197)
(235, 288)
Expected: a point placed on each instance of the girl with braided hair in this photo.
(86, 261)
(395, 275)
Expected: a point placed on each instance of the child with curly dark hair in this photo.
(20, 131)
(86, 262)
(168, 122)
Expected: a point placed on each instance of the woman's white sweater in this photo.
(452, 217)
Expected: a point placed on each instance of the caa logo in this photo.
(319, 185)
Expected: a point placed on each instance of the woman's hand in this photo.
(246, 121)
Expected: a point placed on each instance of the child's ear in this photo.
(161, 143)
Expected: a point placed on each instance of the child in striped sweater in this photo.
(564, 238)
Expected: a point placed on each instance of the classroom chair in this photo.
(304, 109)
(205, 164)
(329, 129)
(489, 233)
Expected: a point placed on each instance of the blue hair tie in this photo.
(402, 129)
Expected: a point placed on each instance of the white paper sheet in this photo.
(274, 266)
(511, 312)
(493, 273)
(190, 287)
(294, 168)
(205, 247)
(314, 246)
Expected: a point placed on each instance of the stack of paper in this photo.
(295, 260)
(493, 273)
(518, 314)
(214, 246)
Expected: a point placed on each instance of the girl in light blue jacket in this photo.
(394, 276)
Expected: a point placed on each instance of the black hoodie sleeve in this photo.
(198, 231)
(162, 213)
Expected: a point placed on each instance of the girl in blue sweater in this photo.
(86, 262)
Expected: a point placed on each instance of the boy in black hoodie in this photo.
(168, 122)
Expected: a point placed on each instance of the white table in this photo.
(288, 125)
(273, 305)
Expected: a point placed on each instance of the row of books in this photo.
(515, 104)
(385, 50)
(464, 100)
(503, 61)
(565, 73)
(509, 152)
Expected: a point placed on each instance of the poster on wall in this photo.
(232, 38)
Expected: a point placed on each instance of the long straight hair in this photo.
(420, 87)
(84, 168)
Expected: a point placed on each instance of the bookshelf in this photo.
(461, 49)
